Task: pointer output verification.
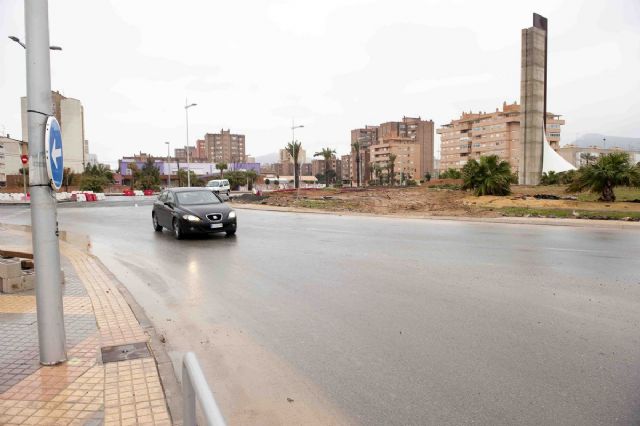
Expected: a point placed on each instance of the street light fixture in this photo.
(168, 165)
(186, 110)
(17, 40)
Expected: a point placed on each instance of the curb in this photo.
(585, 223)
(170, 384)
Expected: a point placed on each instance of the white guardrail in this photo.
(195, 385)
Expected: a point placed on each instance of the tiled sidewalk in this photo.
(84, 390)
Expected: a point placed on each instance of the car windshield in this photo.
(189, 198)
(213, 183)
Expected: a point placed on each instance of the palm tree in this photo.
(377, 171)
(551, 178)
(251, 178)
(587, 158)
(391, 163)
(609, 171)
(293, 148)
(490, 176)
(327, 154)
(222, 166)
(355, 146)
(134, 171)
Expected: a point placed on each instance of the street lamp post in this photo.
(44, 226)
(24, 179)
(168, 165)
(186, 110)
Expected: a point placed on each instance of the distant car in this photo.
(191, 211)
(219, 186)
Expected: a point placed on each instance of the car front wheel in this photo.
(231, 233)
(156, 227)
(177, 232)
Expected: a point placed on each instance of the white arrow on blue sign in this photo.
(53, 150)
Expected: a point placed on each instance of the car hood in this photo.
(203, 209)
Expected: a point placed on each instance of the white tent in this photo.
(551, 160)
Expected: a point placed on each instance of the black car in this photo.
(192, 210)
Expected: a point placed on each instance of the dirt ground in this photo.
(441, 200)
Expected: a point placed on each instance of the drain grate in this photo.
(125, 352)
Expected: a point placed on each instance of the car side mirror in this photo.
(168, 204)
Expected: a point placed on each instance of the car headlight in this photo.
(232, 214)
(191, 218)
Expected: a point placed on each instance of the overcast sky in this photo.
(252, 66)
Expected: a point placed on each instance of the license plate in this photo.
(216, 225)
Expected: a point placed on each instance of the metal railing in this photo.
(194, 384)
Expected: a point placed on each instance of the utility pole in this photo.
(44, 224)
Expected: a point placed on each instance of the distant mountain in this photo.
(596, 139)
(268, 158)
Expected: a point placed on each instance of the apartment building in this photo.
(224, 147)
(305, 169)
(489, 133)
(318, 166)
(181, 154)
(70, 114)
(410, 139)
(365, 137)
(408, 158)
(411, 130)
(201, 149)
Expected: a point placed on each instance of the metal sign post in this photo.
(24, 159)
(44, 225)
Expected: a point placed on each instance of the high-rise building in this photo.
(201, 149)
(181, 154)
(408, 158)
(225, 147)
(489, 133)
(411, 130)
(364, 138)
(305, 169)
(70, 114)
(395, 136)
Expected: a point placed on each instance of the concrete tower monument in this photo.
(537, 156)
(533, 100)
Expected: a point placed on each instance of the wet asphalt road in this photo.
(406, 321)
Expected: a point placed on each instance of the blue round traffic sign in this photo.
(53, 151)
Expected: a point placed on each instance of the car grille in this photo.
(214, 216)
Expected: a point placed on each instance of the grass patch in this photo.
(623, 193)
(450, 186)
(564, 213)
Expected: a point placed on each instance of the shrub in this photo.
(609, 171)
(490, 176)
(451, 174)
